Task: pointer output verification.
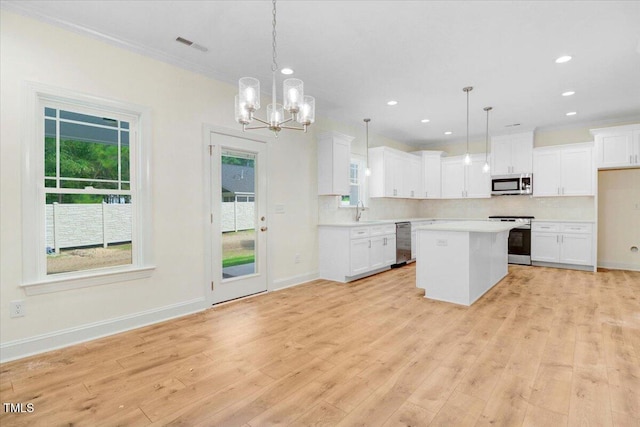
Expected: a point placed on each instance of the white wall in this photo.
(181, 102)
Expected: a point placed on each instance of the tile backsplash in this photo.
(561, 208)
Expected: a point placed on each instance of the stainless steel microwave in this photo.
(502, 185)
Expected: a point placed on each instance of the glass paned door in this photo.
(239, 228)
(238, 219)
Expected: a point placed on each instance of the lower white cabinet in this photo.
(562, 243)
(351, 252)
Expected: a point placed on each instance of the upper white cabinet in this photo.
(394, 173)
(512, 154)
(334, 157)
(412, 180)
(431, 171)
(617, 147)
(461, 181)
(565, 170)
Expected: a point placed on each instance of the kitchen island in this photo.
(459, 262)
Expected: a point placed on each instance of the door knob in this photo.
(263, 228)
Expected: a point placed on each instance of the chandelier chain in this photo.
(274, 66)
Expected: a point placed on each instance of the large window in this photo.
(86, 213)
(87, 182)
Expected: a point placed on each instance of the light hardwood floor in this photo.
(545, 347)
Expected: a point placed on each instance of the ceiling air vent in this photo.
(191, 44)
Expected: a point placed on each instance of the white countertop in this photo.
(586, 221)
(366, 223)
(472, 226)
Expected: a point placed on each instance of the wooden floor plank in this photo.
(544, 347)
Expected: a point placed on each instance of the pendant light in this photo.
(486, 168)
(367, 171)
(467, 156)
(300, 106)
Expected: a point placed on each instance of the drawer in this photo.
(580, 228)
(359, 232)
(379, 230)
(549, 227)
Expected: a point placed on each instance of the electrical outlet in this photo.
(17, 308)
(297, 259)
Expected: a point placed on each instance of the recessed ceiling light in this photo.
(425, 120)
(571, 113)
(448, 132)
(563, 59)
(392, 103)
(568, 93)
(286, 71)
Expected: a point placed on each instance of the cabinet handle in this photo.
(558, 190)
(385, 242)
(561, 239)
(562, 190)
(426, 194)
(369, 243)
(557, 239)
(636, 158)
(630, 159)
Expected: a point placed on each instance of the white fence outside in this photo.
(237, 216)
(74, 225)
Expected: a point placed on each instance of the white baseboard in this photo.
(293, 281)
(18, 349)
(618, 266)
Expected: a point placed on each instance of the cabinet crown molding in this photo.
(615, 129)
(334, 134)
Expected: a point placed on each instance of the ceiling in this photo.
(354, 56)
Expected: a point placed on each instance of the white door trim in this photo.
(207, 225)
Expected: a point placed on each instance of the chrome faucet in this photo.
(358, 211)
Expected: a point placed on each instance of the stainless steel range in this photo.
(519, 238)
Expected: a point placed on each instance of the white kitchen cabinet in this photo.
(617, 146)
(562, 243)
(461, 181)
(359, 256)
(512, 154)
(394, 173)
(334, 157)
(412, 180)
(351, 252)
(564, 170)
(431, 173)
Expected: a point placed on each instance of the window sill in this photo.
(67, 283)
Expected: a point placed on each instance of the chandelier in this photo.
(300, 106)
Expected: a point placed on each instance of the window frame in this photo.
(35, 279)
(362, 181)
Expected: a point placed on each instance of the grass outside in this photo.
(238, 248)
